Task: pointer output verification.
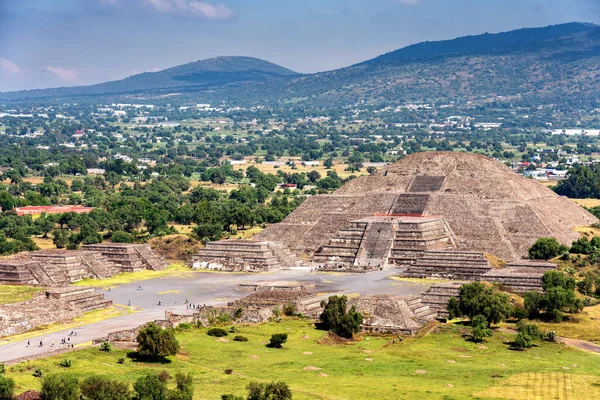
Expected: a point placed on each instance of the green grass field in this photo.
(15, 294)
(440, 365)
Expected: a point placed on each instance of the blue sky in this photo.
(49, 43)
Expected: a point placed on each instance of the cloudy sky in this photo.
(49, 43)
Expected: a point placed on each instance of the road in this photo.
(203, 288)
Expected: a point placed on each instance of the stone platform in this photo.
(461, 265)
(129, 257)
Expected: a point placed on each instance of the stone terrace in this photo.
(437, 296)
(129, 257)
(461, 265)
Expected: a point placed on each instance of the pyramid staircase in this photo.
(152, 260)
(344, 246)
(86, 299)
(414, 237)
(423, 313)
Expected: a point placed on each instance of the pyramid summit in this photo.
(479, 203)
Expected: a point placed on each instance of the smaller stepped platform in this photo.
(129, 257)
(462, 265)
(19, 272)
(415, 236)
(437, 296)
(264, 286)
(392, 314)
(74, 265)
(520, 276)
(86, 299)
(243, 255)
(343, 247)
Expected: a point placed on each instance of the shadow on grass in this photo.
(137, 357)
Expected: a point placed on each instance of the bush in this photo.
(480, 328)
(238, 313)
(550, 336)
(66, 363)
(522, 342)
(233, 329)
(7, 388)
(217, 332)
(154, 341)
(97, 387)
(150, 387)
(277, 340)
(121, 361)
(532, 303)
(38, 373)
(338, 319)
(228, 371)
(2, 368)
(520, 313)
(185, 326)
(289, 309)
(106, 346)
(60, 387)
(476, 298)
(121, 237)
(184, 389)
(531, 330)
(240, 338)
(268, 391)
(164, 376)
(546, 248)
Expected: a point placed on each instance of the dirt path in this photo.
(580, 344)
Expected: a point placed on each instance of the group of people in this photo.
(64, 341)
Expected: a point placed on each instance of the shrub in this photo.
(520, 313)
(238, 313)
(480, 328)
(532, 303)
(268, 391)
(38, 373)
(522, 342)
(185, 326)
(7, 388)
(289, 309)
(66, 363)
(97, 387)
(2, 368)
(233, 329)
(546, 248)
(150, 387)
(164, 376)
(121, 361)
(228, 371)
(154, 341)
(338, 319)
(60, 387)
(531, 330)
(184, 389)
(550, 336)
(476, 298)
(217, 332)
(277, 340)
(106, 346)
(240, 338)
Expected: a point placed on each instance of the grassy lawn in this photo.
(16, 294)
(87, 318)
(440, 365)
(172, 271)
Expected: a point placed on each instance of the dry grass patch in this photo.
(16, 294)
(587, 202)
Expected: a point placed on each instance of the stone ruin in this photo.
(264, 286)
(437, 296)
(62, 267)
(520, 276)
(55, 305)
(393, 314)
(243, 255)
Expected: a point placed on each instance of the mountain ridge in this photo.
(544, 63)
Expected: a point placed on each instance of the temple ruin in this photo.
(53, 268)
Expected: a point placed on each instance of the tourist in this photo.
(52, 344)
(28, 344)
(159, 302)
(129, 303)
(41, 344)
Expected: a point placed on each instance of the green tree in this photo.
(532, 302)
(480, 327)
(338, 319)
(121, 237)
(59, 238)
(60, 387)
(476, 298)
(269, 391)
(154, 341)
(150, 387)
(546, 248)
(98, 387)
(184, 389)
(7, 388)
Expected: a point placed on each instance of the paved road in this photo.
(203, 288)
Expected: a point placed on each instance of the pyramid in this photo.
(486, 207)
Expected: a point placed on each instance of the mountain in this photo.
(220, 72)
(551, 64)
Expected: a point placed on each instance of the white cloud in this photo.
(198, 8)
(9, 66)
(62, 73)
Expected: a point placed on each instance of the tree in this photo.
(59, 238)
(60, 387)
(269, 391)
(532, 302)
(277, 340)
(481, 329)
(338, 319)
(150, 387)
(7, 388)
(97, 387)
(546, 248)
(121, 237)
(476, 298)
(184, 387)
(154, 341)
